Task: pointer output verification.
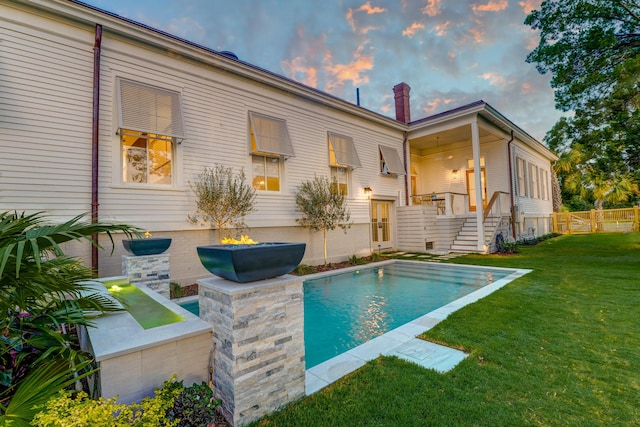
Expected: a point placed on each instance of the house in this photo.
(107, 116)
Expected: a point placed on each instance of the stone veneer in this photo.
(258, 332)
(149, 270)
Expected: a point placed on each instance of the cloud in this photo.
(492, 6)
(297, 69)
(495, 79)
(432, 8)
(352, 71)
(530, 5)
(412, 29)
(478, 34)
(442, 29)
(371, 10)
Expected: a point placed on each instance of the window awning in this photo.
(344, 151)
(270, 136)
(392, 160)
(150, 109)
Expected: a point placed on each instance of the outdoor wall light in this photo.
(367, 191)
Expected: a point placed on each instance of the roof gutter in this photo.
(95, 143)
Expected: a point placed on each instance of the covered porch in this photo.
(460, 172)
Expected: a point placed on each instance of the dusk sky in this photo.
(451, 53)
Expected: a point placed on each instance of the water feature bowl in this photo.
(150, 246)
(248, 263)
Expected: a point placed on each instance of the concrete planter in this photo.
(248, 263)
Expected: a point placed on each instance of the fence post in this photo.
(592, 219)
(636, 218)
(567, 216)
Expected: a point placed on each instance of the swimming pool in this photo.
(342, 311)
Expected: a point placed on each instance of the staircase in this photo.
(467, 238)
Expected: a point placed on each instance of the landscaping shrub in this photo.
(194, 406)
(79, 410)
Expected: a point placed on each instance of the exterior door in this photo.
(471, 185)
(381, 225)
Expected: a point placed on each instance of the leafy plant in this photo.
(195, 406)
(323, 207)
(223, 199)
(79, 410)
(303, 269)
(43, 297)
(175, 290)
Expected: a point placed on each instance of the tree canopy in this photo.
(591, 48)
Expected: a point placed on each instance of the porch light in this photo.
(454, 173)
(367, 191)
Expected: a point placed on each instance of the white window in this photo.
(270, 145)
(343, 157)
(533, 181)
(544, 184)
(390, 163)
(521, 167)
(150, 123)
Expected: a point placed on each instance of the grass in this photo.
(559, 346)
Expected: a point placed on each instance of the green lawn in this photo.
(559, 346)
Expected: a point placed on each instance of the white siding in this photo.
(45, 116)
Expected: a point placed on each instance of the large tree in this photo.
(591, 48)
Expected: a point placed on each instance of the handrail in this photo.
(494, 197)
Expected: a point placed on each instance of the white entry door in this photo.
(381, 235)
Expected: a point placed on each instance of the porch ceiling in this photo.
(447, 140)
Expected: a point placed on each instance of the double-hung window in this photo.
(150, 123)
(390, 163)
(343, 157)
(270, 145)
(533, 181)
(521, 167)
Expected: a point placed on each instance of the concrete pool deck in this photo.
(402, 342)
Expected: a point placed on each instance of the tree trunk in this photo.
(325, 246)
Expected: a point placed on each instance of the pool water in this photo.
(342, 311)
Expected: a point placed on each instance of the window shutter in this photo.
(271, 135)
(392, 160)
(150, 109)
(344, 150)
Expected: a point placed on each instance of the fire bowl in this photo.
(151, 246)
(248, 263)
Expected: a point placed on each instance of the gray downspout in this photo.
(513, 219)
(94, 143)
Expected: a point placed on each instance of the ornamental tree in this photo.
(323, 207)
(224, 198)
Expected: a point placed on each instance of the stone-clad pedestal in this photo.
(150, 270)
(258, 331)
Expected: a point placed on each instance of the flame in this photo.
(244, 240)
(147, 234)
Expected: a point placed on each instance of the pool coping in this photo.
(402, 341)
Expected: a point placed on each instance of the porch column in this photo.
(477, 169)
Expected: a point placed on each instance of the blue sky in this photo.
(450, 52)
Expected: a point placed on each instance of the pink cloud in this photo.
(495, 79)
(297, 70)
(370, 10)
(478, 34)
(526, 89)
(432, 8)
(530, 5)
(385, 108)
(352, 71)
(492, 6)
(431, 107)
(442, 29)
(411, 30)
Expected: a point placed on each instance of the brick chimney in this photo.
(403, 106)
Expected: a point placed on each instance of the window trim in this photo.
(521, 171)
